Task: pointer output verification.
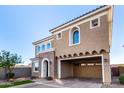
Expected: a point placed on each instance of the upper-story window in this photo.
(74, 36)
(94, 23)
(38, 49)
(59, 36)
(43, 47)
(48, 46)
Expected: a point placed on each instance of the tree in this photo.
(8, 61)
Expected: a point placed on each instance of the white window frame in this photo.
(36, 49)
(42, 47)
(47, 47)
(71, 36)
(91, 27)
(34, 66)
(58, 37)
(46, 50)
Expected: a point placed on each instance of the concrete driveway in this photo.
(71, 83)
(64, 83)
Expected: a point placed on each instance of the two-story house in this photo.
(79, 48)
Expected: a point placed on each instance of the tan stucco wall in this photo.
(106, 69)
(91, 39)
(66, 70)
(88, 71)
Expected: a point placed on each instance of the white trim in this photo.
(81, 22)
(103, 75)
(57, 38)
(81, 57)
(71, 36)
(43, 40)
(35, 59)
(42, 63)
(48, 50)
(59, 69)
(80, 18)
(50, 46)
(91, 27)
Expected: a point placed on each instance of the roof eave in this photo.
(42, 40)
(80, 18)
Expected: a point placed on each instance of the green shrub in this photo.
(121, 79)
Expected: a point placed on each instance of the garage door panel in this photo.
(87, 71)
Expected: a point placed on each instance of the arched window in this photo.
(76, 37)
(43, 47)
(48, 46)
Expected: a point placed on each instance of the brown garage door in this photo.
(87, 70)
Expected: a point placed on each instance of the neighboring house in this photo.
(117, 69)
(79, 48)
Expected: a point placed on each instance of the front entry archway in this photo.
(45, 68)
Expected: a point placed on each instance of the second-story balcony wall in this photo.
(43, 45)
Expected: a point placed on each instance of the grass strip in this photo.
(15, 83)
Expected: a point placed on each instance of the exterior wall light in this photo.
(105, 60)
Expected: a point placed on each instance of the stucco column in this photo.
(59, 69)
(40, 69)
(106, 70)
(49, 69)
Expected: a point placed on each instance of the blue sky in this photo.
(21, 25)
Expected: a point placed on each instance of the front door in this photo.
(45, 69)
